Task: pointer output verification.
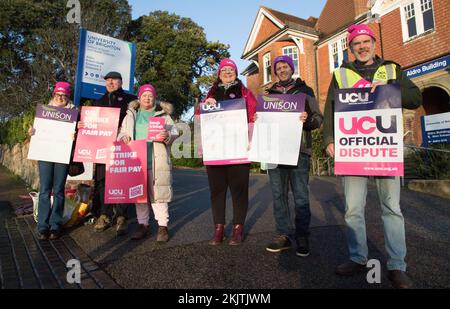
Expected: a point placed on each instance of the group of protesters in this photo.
(133, 125)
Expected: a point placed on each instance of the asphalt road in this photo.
(188, 262)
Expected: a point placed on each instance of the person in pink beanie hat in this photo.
(356, 30)
(228, 63)
(235, 178)
(370, 71)
(62, 88)
(145, 88)
(52, 177)
(135, 126)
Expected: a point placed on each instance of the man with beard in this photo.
(369, 70)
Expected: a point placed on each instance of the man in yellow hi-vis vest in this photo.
(368, 70)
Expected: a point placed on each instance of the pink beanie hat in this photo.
(62, 87)
(356, 30)
(228, 63)
(145, 88)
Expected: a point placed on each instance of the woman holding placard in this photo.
(52, 178)
(236, 177)
(135, 126)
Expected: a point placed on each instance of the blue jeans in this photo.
(394, 226)
(52, 178)
(298, 179)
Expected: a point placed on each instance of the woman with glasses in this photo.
(52, 178)
(236, 177)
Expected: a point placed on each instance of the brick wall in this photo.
(323, 61)
(422, 48)
(267, 29)
(307, 65)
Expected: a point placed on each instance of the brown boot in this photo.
(141, 232)
(350, 268)
(121, 228)
(399, 279)
(218, 235)
(163, 234)
(238, 235)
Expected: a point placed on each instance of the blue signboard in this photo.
(99, 54)
(432, 66)
(436, 129)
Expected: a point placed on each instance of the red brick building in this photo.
(273, 34)
(413, 33)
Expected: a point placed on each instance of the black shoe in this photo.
(280, 243)
(302, 246)
(42, 235)
(54, 235)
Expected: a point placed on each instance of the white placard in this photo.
(277, 132)
(225, 133)
(54, 131)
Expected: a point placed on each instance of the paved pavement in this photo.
(187, 261)
(26, 262)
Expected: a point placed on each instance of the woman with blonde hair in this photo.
(52, 178)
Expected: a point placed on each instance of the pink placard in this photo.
(369, 168)
(98, 135)
(155, 126)
(126, 173)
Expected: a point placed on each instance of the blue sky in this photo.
(229, 21)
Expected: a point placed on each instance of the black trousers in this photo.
(99, 207)
(235, 177)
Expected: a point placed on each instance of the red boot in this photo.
(238, 235)
(218, 235)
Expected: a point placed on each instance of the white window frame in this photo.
(428, 5)
(337, 45)
(417, 5)
(344, 46)
(294, 50)
(267, 64)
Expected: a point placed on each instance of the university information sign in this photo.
(436, 129)
(99, 54)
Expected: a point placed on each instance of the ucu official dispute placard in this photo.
(224, 130)
(368, 131)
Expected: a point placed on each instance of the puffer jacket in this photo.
(161, 164)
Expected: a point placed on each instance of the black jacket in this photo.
(314, 120)
(118, 99)
(411, 95)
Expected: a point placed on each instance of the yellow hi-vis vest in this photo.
(347, 78)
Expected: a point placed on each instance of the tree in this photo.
(174, 55)
(39, 47)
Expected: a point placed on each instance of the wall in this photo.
(15, 159)
(422, 48)
(307, 65)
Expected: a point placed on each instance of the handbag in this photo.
(75, 168)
